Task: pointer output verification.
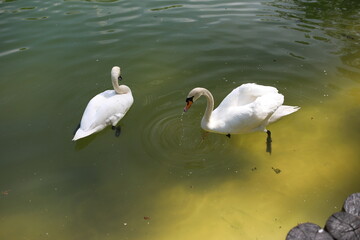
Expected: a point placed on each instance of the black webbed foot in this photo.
(228, 135)
(117, 130)
(268, 142)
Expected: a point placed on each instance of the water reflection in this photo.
(328, 21)
(162, 167)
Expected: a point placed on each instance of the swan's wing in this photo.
(245, 94)
(90, 117)
(247, 118)
(265, 106)
(123, 102)
(106, 108)
(233, 120)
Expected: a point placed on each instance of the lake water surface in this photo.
(162, 179)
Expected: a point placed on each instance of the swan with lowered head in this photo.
(106, 108)
(248, 108)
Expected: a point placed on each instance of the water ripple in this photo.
(99, 1)
(166, 8)
(12, 51)
(176, 139)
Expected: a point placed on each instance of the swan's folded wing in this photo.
(264, 106)
(253, 116)
(237, 120)
(123, 103)
(112, 109)
(245, 94)
(90, 117)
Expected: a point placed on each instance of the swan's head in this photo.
(192, 97)
(116, 73)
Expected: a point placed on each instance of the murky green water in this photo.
(161, 179)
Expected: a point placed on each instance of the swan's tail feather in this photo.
(77, 127)
(81, 134)
(283, 111)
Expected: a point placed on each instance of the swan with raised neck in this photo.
(106, 108)
(115, 77)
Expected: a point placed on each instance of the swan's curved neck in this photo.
(210, 104)
(122, 89)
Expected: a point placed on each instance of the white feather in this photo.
(248, 108)
(106, 108)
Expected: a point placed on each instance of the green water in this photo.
(161, 179)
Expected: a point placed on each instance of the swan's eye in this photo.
(190, 99)
(120, 78)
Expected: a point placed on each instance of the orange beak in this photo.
(188, 105)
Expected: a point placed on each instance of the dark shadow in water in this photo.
(351, 127)
(268, 142)
(84, 142)
(351, 130)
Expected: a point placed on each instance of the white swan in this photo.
(106, 108)
(248, 108)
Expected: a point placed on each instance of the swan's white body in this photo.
(106, 108)
(248, 108)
